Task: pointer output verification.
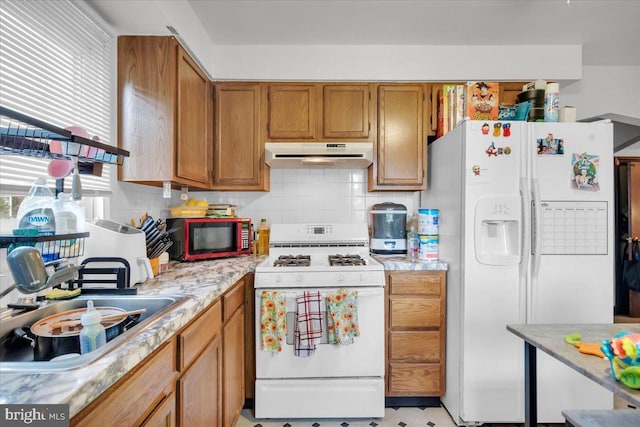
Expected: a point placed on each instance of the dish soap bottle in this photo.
(92, 334)
(37, 212)
(263, 237)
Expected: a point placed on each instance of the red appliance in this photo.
(206, 238)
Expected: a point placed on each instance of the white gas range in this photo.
(337, 381)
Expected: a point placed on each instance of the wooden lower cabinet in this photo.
(195, 379)
(139, 397)
(415, 313)
(200, 389)
(164, 415)
(233, 367)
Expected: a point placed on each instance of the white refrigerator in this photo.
(526, 226)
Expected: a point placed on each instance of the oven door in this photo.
(363, 358)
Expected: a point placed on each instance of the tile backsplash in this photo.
(296, 196)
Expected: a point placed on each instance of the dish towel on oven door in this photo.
(308, 325)
(272, 320)
(342, 316)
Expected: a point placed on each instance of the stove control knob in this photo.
(299, 278)
(341, 277)
(278, 278)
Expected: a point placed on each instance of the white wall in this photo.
(396, 63)
(604, 90)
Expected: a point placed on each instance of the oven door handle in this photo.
(362, 292)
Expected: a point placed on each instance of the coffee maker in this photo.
(388, 229)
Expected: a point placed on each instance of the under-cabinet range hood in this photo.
(345, 155)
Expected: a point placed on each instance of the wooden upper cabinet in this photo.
(400, 152)
(292, 111)
(318, 111)
(193, 144)
(238, 150)
(164, 107)
(345, 111)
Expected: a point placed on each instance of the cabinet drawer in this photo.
(128, 402)
(414, 346)
(197, 335)
(415, 283)
(405, 312)
(233, 299)
(415, 379)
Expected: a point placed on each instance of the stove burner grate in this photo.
(293, 261)
(346, 260)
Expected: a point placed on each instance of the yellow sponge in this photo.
(57, 293)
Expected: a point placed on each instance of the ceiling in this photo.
(608, 30)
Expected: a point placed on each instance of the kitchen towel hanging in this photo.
(308, 325)
(342, 316)
(272, 320)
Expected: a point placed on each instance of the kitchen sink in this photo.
(17, 355)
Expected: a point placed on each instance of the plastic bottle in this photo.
(551, 102)
(263, 237)
(92, 334)
(412, 237)
(69, 220)
(37, 212)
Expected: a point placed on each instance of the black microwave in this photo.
(206, 238)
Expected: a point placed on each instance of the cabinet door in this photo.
(146, 106)
(292, 112)
(193, 145)
(164, 415)
(249, 337)
(200, 389)
(400, 155)
(233, 368)
(345, 111)
(238, 148)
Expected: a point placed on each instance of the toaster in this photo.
(112, 239)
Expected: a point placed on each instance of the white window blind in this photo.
(55, 66)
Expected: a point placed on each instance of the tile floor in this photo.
(393, 417)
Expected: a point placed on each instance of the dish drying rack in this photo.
(115, 273)
(51, 247)
(26, 136)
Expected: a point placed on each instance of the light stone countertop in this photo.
(403, 262)
(204, 281)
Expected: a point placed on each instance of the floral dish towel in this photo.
(342, 316)
(272, 320)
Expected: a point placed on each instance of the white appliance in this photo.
(526, 226)
(336, 381)
(349, 155)
(112, 239)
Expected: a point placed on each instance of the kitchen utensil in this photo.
(76, 185)
(49, 342)
(146, 224)
(105, 319)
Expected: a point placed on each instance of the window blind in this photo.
(55, 65)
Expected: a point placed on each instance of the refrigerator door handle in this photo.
(536, 235)
(525, 199)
